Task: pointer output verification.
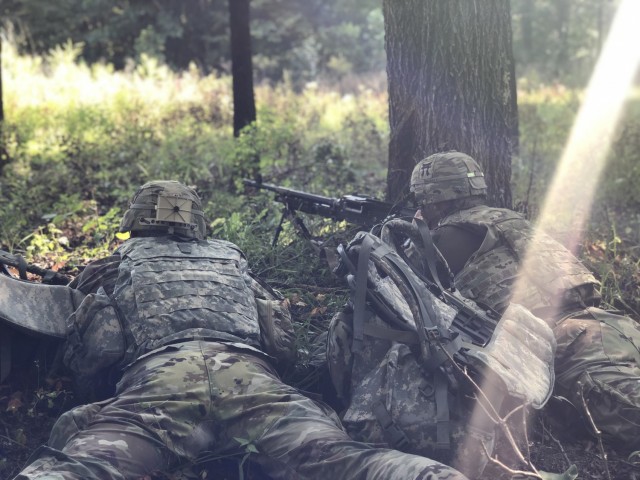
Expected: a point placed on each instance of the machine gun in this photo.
(476, 323)
(49, 277)
(357, 209)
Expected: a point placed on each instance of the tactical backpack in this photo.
(407, 361)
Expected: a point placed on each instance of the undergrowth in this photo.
(79, 139)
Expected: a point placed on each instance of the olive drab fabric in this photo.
(447, 176)
(557, 279)
(396, 395)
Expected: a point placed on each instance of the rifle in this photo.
(49, 277)
(476, 323)
(357, 209)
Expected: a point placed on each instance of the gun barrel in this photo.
(289, 194)
(48, 276)
(356, 209)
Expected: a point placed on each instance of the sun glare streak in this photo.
(568, 202)
(569, 199)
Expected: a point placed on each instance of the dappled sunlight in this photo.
(570, 197)
(60, 81)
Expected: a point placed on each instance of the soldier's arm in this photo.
(276, 326)
(100, 273)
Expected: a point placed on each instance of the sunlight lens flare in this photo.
(568, 202)
(570, 196)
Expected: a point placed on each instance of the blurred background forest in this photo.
(100, 96)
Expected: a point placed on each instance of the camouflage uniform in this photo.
(597, 358)
(181, 319)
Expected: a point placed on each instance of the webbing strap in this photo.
(429, 250)
(361, 293)
(443, 439)
(392, 433)
(406, 337)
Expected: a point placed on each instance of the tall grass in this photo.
(79, 139)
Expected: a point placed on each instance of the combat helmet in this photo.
(167, 207)
(447, 176)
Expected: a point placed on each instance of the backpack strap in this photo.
(392, 433)
(443, 430)
(361, 274)
(430, 255)
(437, 345)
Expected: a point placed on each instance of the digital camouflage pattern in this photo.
(446, 176)
(387, 375)
(557, 279)
(165, 291)
(207, 390)
(198, 400)
(42, 308)
(165, 287)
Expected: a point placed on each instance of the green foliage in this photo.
(545, 116)
(75, 158)
(558, 41)
(299, 39)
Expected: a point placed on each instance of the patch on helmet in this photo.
(425, 169)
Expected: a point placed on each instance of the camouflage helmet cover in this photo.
(447, 176)
(165, 206)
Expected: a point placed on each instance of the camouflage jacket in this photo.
(556, 281)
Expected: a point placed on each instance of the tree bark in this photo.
(451, 80)
(1, 95)
(244, 107)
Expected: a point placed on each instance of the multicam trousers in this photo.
(194, 400)
(598, 368)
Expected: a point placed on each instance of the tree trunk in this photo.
(452, 86)
(526, 25)
(1, 97)
(563, 19)
(244, 107)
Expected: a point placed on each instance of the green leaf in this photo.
(252, 448)
(242, 441)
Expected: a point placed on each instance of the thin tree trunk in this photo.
(1, 95)
(451, 87)
(244, 108)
